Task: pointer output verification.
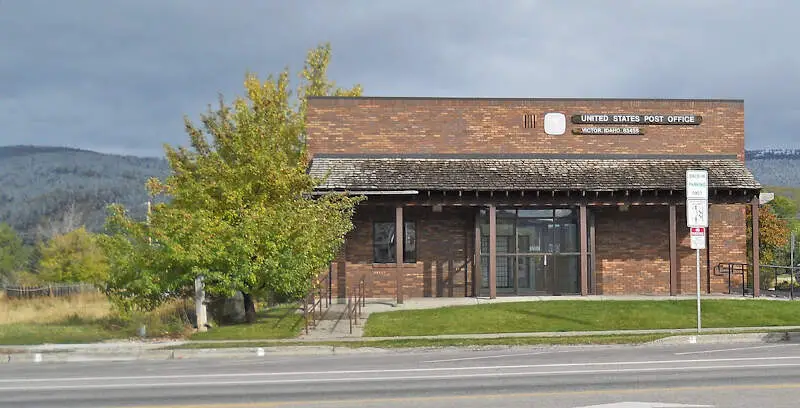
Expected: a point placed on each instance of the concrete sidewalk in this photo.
(170, 350)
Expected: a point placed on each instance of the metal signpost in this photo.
(791, 263)
(697, 219)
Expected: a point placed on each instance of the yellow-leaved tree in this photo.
(73, 257)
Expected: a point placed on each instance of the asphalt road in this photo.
(742, 375)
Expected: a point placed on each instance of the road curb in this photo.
(55, 353)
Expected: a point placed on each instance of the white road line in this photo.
(105, 385)
(399, 370)
(490, 357)
(733, 349)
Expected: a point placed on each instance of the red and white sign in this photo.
(698, 236)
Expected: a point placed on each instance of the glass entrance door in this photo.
(537, 251)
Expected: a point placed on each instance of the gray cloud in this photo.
(118, 76)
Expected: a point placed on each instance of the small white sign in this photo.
(698, 235)
(697, 184)
(555, 123)
(696, 213)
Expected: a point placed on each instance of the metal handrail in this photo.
(731, 268)
(356, 301)
(792, 272)
(738, 268)
(316, 297)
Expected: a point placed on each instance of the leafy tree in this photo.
(73, 257)
(13, 254)
(773, 237)
(783, 207)
(786, 210)
(240, 211)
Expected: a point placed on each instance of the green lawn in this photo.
(564, 315)
(276, 323)
(37, 333)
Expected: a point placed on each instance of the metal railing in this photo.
(316, 301)
(734, 269)
(356, 301)
(782, 275)
(773, 278)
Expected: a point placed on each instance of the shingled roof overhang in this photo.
(412, 174)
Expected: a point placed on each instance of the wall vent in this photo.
(528, 121)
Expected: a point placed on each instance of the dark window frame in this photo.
(385, 252)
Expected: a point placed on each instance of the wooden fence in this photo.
(54, 290)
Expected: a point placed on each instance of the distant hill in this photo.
(775, 167)
(40, 184)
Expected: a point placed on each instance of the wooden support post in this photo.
(478, 271)
(584, 250)
(673, 250)
(399, 238)
(756, 254)
(492, 252)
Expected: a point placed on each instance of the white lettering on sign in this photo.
(697, 184)
(608, 131)
(594, 118)
(698, 238)
(628, 119)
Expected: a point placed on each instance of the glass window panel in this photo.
(567, 237)
(533, 234)
(410, 243)
(505, 244)
(567, 274)
(528, 213)
(485, 271)
(383, 242)
(502, 213)
(505, 265)
(506, 220)
(565, 213)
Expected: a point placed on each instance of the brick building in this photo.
(531, 196)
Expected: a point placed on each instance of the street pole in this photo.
(699, 325)
(791, 269)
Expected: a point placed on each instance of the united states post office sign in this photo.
(623, 119)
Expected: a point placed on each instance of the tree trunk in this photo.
(249, 308)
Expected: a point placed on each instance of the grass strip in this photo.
(425, 343)
(579, 315)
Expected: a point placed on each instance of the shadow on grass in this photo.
(555, 317)
(277, 322)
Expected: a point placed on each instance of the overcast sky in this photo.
(118, 76)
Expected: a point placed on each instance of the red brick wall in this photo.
(728, 242)
(632, 250)
(631, 263)
(426, 125)
(442, 267)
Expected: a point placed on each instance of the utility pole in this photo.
(200, 304)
